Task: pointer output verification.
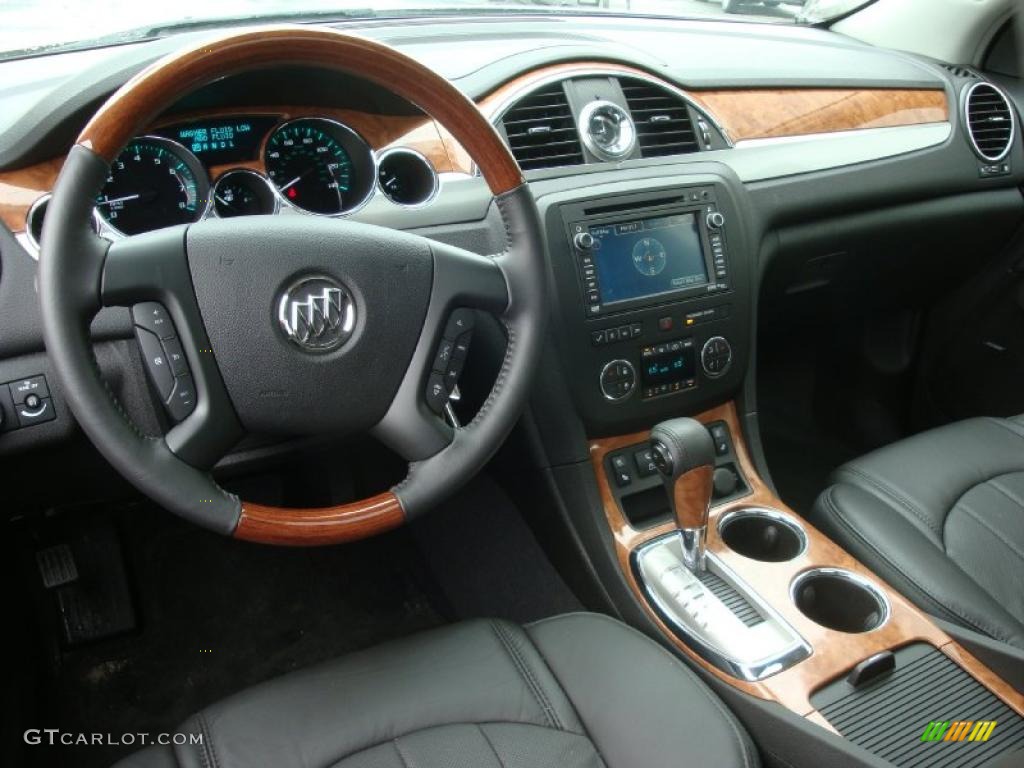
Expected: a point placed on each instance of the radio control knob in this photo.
(584, 241)
(715, 220)
(716, 356)
(618, 380)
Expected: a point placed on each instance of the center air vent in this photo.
(662, 119)
(989, 121)
(541, 130)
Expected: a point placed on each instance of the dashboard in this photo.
(664, 179)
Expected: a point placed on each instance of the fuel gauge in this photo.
(243, 193)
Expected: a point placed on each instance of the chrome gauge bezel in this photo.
(335, 125)
(196, 166)
(247, 172)
(420, 157)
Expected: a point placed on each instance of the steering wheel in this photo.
(230, 286)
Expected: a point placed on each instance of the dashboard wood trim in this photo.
(320, 525)
(764, 114)
(834, 653)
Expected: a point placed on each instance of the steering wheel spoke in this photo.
(150, 274)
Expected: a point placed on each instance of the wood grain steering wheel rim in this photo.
(126, 114)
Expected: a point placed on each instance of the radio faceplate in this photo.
(629, 257)
(651, 345)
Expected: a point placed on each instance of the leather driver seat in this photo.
(940, 516)
(576, 691)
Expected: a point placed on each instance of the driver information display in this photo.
(645, 257)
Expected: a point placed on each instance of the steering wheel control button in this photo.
(182, 400)
(24, 388)
(155, 358)
(461, 320)
(36, 412)
(154, 318)
(618, 380)
(175, 356)
(444, 355)
(716, 356)
(437, 393)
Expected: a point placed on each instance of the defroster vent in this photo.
(541, 130)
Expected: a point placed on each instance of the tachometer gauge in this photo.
(320, 166)
(153, 183)
(649, 256)
(243, 193)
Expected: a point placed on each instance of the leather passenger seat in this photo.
(940, 516)
(576, 691)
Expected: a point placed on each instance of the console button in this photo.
(183, 398)
(720, 436)
(620, 470)
(636, 329)
(597, 338)
(645, 465)
(22, 388)
(153, 317)
(156, 362)
(665, 323)
(176, 357)
(29, 416)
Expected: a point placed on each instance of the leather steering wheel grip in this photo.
(72, 272)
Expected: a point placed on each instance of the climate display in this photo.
(646, 257)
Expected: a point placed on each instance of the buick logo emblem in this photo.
(317, 313)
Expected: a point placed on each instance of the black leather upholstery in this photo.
(941, 517)
(577, 691)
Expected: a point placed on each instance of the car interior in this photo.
(512, 384)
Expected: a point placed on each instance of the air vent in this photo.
(989, 121)
(662, 119)
(541, 130)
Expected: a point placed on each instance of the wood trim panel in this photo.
(834, 653)
(319, 526)
(769, 113)
(19, 189)
(154, 89)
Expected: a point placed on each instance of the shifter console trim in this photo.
(706, 624)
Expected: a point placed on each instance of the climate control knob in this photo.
(618, 380)
(716, 356)
(584, 241)
(715, 220)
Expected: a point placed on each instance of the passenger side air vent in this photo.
(541, 130)
(662, 119)
(989, 121)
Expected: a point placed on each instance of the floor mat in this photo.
(216, 616)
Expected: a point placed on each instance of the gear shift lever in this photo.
(684, 453)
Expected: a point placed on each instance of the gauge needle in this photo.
(124, 199)
(293, 181)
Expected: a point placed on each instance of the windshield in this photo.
(32, 27)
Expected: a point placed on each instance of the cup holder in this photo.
(840, 600)
(762, 534)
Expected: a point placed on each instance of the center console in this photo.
(653, 293)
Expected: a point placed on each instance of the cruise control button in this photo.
(444, 355)
(153, 317)
(43, 411)
(183, 399)
(460, 321)
(156, 362)
(437, 393)
(460, 350)
(176, 356)
(22, 388)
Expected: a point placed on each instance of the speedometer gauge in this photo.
(153, 183)
(320, 166)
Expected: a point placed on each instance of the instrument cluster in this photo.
(255, 165)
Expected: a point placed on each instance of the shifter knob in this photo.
(684, 453)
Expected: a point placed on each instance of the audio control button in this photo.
(715, 220)
(617, 380)
(584, 241)
(716, 356)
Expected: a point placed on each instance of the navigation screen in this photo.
(225, 140)
(646, 257)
